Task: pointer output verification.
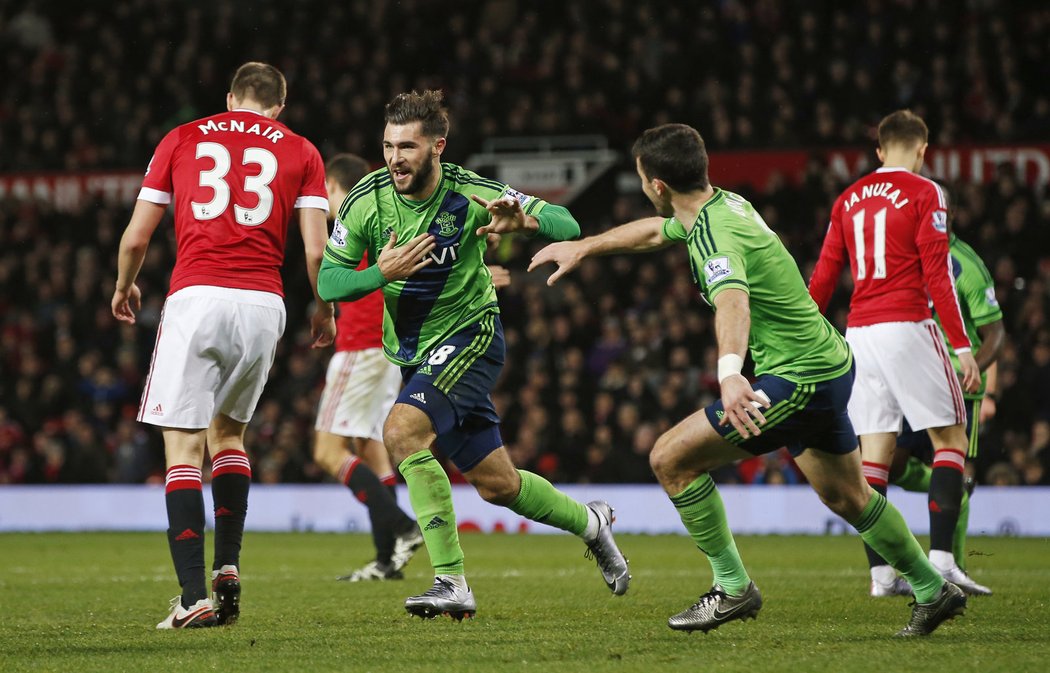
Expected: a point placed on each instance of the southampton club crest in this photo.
(446, 222)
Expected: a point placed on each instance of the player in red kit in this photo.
(892, 227)
(236, 179)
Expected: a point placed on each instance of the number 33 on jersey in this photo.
(237, 176)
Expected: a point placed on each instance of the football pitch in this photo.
(89, 602)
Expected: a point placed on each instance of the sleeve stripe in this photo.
(940, 196)
(732, 281)
(987, 319)
(942, 202)
(700, 247)
(707, 230)
(335, 257)
(955, 295)
(359, 193)
(318, 202)
(480, 182)
(369, 183)
(155, 196)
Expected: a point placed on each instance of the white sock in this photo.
(942, 560)
(593, 524)
(884, 574)
(460, 581)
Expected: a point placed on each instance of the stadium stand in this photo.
(598, 366)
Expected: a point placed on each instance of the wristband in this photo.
(729, 365)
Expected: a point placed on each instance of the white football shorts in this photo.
(215, 347)
(360, 388)
(903, 371)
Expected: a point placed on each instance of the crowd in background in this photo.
(96, 88)
(601, 364)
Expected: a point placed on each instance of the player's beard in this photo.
(418, 181)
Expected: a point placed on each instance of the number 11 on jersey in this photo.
(879, 253)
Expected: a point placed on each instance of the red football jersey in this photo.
(235, 177)
(360, 323)
(893, 226)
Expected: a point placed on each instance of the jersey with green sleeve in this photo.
(976, 290)
(730, 246)
(455, 289)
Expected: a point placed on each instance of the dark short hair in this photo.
(423, 107)
(346, 169)
(902, 127)
(674, 153)
(260, 82)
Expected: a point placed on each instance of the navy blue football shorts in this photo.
(452, 387)
(918, 444)
(800, 416)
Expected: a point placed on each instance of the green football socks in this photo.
(916, 476)
(704, 516)
(883, 528)
(430, 493)
(538, 500)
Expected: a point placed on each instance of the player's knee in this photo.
(662, 459)
(847, 503)
(401, 439)
(396, 439)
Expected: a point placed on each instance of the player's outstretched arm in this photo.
(127, 299)
(638, 236)
(732, 326)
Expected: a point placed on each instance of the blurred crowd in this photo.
(97, 87)
(598, 366)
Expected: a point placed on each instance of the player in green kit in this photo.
(425, 223)
(983, 319)
(804, 375)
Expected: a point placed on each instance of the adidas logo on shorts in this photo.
(157, 411)
(418, 397)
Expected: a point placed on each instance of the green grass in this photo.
(90, 602)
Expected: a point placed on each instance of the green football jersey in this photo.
(976, 291)
(730, 246)
(455, 289)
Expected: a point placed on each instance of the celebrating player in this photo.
(425, 225)
(804, 370)
(892, 225)
(360, 387)
(235, 178)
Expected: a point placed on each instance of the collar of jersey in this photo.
(420, 206)
(714, 197)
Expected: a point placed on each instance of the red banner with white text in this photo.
(755, 168)
(965, 163)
